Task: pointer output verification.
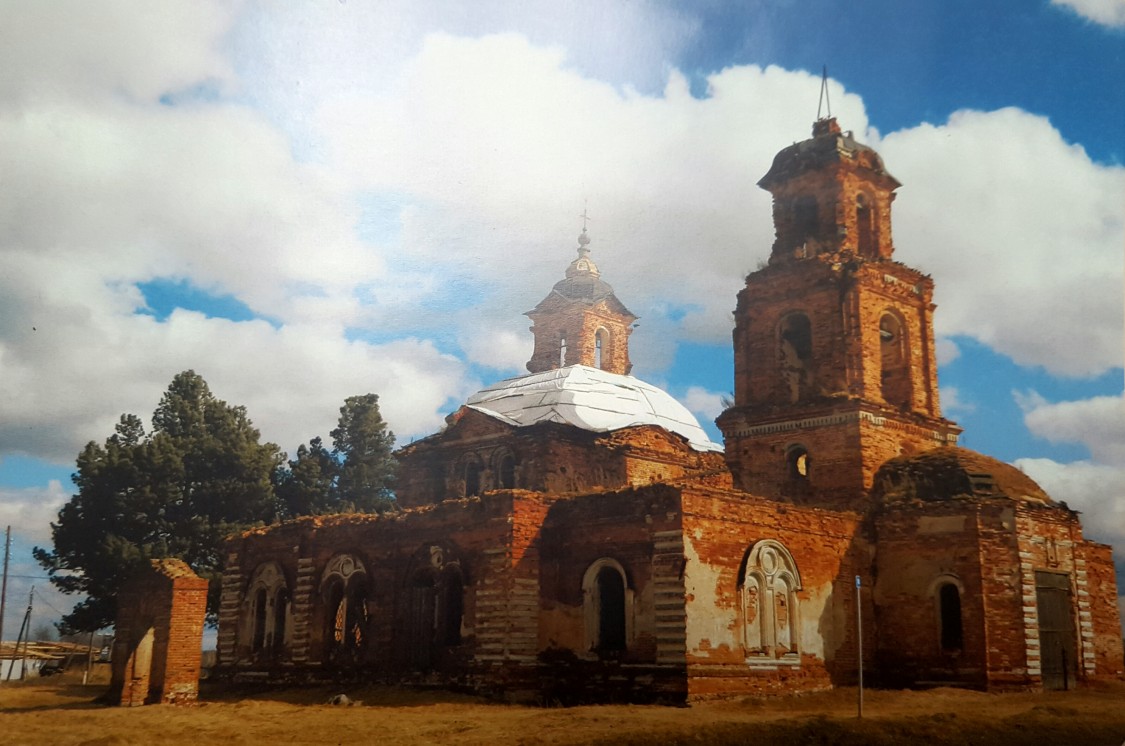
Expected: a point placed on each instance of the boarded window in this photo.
(421, 618)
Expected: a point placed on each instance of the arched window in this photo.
(282, 621)
(865, 226)
(798, 470)
(949, 617)
(601, 349)
(797, 464)
(895, 377)
(451, 606)
(261, 612)
(421, 614)
(472, 477)
(268, 615)
(795, 339)
(506, 472)
(562, 351)
(344, 590)
(434, 609)
(768, 589)
(608, 608)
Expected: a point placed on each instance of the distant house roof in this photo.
(590, 399)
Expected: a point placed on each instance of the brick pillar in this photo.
(670, 616)
(158, 644)
(303, 608)
(230, 602)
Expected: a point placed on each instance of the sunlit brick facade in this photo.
(573, 536)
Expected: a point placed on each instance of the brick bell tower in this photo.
(835, 370)
(581, 321)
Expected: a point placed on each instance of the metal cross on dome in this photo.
(584, 216)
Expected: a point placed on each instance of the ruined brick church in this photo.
(574, 535)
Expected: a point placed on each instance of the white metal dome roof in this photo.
(591, 399)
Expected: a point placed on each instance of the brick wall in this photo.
(720, 528)
(549, 457)
(159, 636)
(991, 549)
(579, 323)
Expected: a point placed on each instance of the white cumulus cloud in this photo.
(707, 405)
(1105, 12)
(1095, 486)
(1022, 233)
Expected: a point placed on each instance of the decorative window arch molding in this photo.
(345, 592)
(343, 566)
(768, 584)
(595, 616)
(267, 616)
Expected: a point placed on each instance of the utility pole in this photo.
(859, 645)
(89, 661)
(4, 587)
(16, 651)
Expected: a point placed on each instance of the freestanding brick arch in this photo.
(158, 643)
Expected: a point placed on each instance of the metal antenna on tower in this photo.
(824, 102)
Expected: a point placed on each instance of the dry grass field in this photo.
(62, 711)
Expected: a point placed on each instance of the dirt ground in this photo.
(62, 711)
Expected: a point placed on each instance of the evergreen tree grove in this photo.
(201, 474)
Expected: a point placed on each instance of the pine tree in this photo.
(178, 491)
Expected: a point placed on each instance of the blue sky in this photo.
(303, 202)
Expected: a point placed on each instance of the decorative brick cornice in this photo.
(840, 418)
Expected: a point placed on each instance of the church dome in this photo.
(945, 474)
(828, 146)
(590, 399)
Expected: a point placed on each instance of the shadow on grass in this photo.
(1039, 726)
(368, 695)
